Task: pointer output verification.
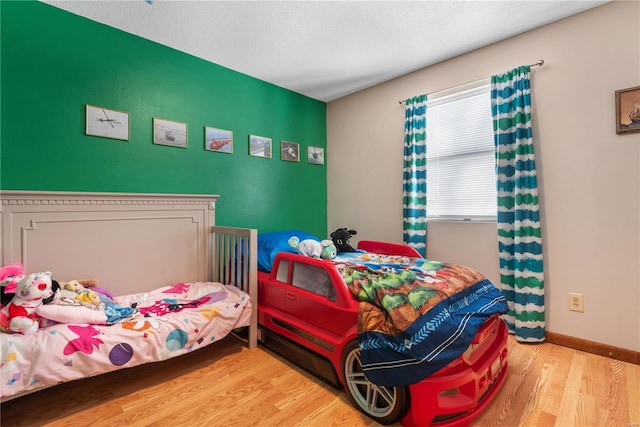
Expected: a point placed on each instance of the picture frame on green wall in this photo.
(168, 132)
(106, 123)
(315, 155)
(218, 140)
(259, 146)
(289, 151)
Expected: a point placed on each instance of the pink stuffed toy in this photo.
(20, 314)
(10, 275)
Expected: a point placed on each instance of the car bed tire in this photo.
(391, 402)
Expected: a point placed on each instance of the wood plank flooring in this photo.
(228, 385)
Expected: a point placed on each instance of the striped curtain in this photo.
(414, 180)
(519, 237)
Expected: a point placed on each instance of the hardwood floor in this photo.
(228, 385)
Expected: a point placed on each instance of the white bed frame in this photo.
(130, 242)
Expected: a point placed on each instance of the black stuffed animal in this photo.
(5, 299)
(341, 239)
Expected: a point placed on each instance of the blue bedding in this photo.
(269, 244)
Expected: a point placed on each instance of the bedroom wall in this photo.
(589, 176)
(54, 63)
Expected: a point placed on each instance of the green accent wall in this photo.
(54, 63)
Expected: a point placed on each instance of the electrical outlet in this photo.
(576, 302)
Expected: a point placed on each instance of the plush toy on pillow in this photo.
(312, 248)
(10, 276)
(341, 239)
(329, 250)
(20, 314)
(83, 290)
(91, 298)
(72, 288)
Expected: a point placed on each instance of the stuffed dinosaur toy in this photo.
(312, 248)
(19, 315)
(341, 239)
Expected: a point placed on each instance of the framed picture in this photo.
(315, 155)
(289, 151)
(107, 123)
(259, 146)
(219, 140)
(167, 132)
(628, 110)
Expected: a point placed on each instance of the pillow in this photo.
(269, 244)
(72, 314)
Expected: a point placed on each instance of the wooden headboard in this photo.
(129, 242)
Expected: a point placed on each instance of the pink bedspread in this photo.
(169, 321)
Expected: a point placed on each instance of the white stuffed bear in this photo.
(20, 314)
(312, 248)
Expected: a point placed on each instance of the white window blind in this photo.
(461, 179)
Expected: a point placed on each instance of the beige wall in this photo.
(589, 177)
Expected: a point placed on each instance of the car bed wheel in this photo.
(385, 405)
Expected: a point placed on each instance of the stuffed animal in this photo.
(312, 248)
(20, 314)
(55, 289)
(89, 297)
(10, 276)
(341, 239)
(81, 290)
(329, 250)
(79, 285)
(70, 289)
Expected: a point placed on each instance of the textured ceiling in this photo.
(325, 49)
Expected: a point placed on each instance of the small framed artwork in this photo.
(289, 151)
(167, 132)
(628, 110)
(259, 146)
(315, 155)
(107, 123)
(219, 140)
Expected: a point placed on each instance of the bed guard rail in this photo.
(235, 262)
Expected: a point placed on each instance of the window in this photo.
(283, 271)
(312, 279)
(461, 178)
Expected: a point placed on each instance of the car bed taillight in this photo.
(487, 331)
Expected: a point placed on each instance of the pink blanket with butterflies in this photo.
(168, 322)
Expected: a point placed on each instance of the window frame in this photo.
(450, 95)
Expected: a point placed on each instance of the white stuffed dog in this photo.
(20, 314)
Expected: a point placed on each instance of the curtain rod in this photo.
(538, 63)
